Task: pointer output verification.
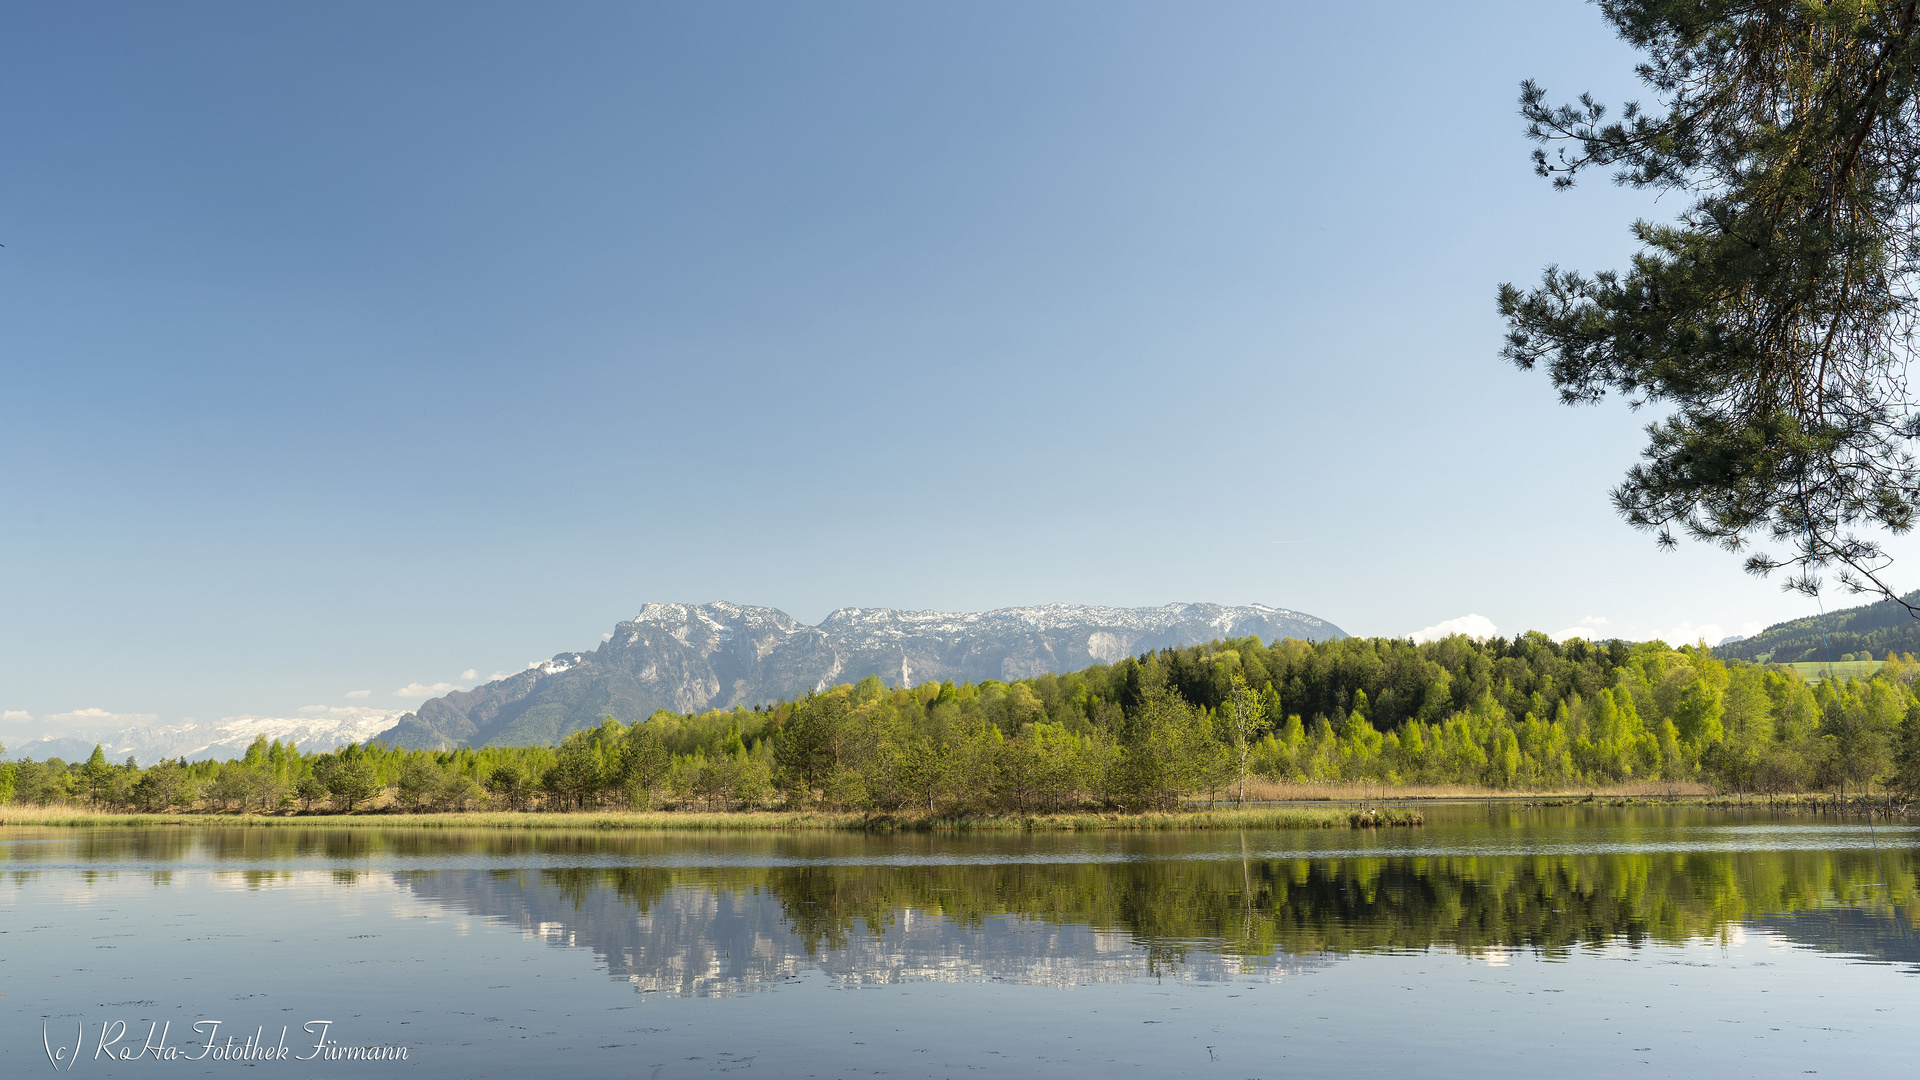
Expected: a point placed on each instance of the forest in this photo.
(1147, 733)
(1870, 631)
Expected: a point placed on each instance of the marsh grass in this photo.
(743, 821)
(1256, 818)
(1890, 804)
(1268, 791)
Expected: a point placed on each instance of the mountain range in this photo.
(322, 729)
(692, 657)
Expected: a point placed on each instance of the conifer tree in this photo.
(1774, 317)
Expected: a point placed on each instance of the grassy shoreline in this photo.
(742, 821)
(1262, 790)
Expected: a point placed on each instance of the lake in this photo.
(1495, 941)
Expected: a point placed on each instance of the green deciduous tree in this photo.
(1246, 715)
(1906, 753)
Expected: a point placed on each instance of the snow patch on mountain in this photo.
(320, 728)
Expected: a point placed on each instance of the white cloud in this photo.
(606, 637)
(1588, 628)
(470, 674)
(339, 712)
(93, 718)
(88, 724)
(423, 690)
(498, 675)
(359, 693)
(1474, 626)
(1687, 633)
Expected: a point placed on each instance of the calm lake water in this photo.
(1492, 942)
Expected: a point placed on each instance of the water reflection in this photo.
(1451, 830)
(703, 932)
(679, 938)
(706, 914)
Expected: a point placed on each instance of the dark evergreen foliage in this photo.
(1773, 320)
(1880, 628)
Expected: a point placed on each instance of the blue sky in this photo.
(353, 347)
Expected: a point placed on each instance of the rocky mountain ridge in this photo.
(690, 657)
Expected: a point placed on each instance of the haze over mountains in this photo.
(318, 728)
(687, 658)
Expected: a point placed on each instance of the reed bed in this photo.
(740, 821)
(1889, 804)
(1256, 818)
(1268, 791)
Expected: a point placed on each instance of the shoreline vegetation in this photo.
(1147, 739)
(743, 820)
(1367, 809)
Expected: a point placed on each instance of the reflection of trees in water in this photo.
(1547, 903)
(218, 844)
(1347, 905)
(705, 930)
(1303, 906)
(1179, 902)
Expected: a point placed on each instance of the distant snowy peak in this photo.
(719, 615)
(689, 657)
(854, 625)
(226, 738)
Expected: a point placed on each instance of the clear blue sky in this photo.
(348, 346)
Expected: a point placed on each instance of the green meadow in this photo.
(1816, 671)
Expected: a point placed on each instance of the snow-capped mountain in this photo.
(687, 657)
(323, 729)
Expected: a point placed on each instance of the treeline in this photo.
(1867, 632)
(1145, 733)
